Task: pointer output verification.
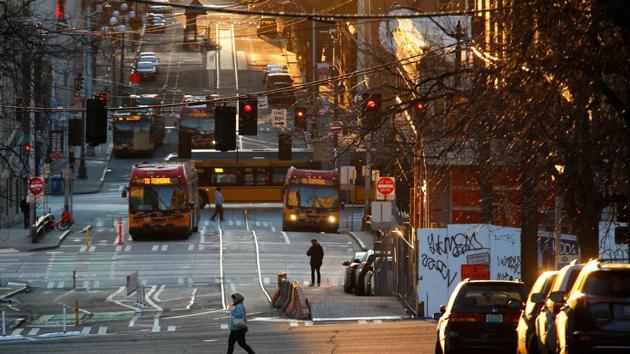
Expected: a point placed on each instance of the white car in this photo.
(147, 70)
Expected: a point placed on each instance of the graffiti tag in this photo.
(440, 267)
(455, 245)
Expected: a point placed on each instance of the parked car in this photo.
(546, 319)
(480, 315)
(367, 264)
(526, 328)
(369, 283)
(153, 59)
(147, 70)
(596, 315)
(274, 68)
(351, 266)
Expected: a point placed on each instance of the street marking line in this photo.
(33, 332)
(224, 326)
(308, 323)
(50, 285)
(127, 248)
(230, 222)
(82, 249)
(97, 284)
(92, 248)
(111, 296)
(86, 330)
(273, 229)
(246, 219)
(286, 237)
(202, 236)
(257, 223)
(305, 282)
(60, 285)
(171, 328)
(17, 331)
(156, 322)
(180, 281)
(155, 248)
(192, 299)
(148, 299)
(239, 223)
(201, 247)
(293, 324)
(260, 281)
(133, 320)
(102, 330)
(86, 284)
(378, 321)
(164, 247)
(266, 280)
(221, 267)
(232, 287)
(191, 247)
(265, 224)
(157, 293)
(118, 248)
(362, 322)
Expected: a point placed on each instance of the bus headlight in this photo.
(332, 219)
(293, 217)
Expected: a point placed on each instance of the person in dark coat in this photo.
(238, 325)
(25, 208)
(316, 252)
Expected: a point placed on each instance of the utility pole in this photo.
(32, 142)
(314, 88)
(86, 89)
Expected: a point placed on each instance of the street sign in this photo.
(263, 102)
(478, 258)
(36, 186)
(476, 271)
(279, 118)
(381, 212)
(385, 187)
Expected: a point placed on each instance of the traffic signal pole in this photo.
(87, 87)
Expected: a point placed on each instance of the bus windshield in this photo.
(312, 197)
(156, 198)
(201, 125)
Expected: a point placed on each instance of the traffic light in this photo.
(225, 128)
(184, 145)
(371, 103)
(248, 116)
(95, 121)
(27, 148)
(284, 147)
(300, 119)
(75, 133)
(419, 110)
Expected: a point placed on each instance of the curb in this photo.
(357, 240)
(102, 179)
(50, 247)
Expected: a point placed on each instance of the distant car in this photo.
(151, 16)
(147, 70)
(161, 9)
(156, 25)
(596, 315)
(481, 315)
(142, 54)
(351, 266)
(359, 275)
(152, 59)
(526, 328)
(267, 25)
(546, 319)
(274, 68)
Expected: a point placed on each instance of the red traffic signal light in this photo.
(299, 114)
(371, 104)
(27, 148)
(247, 108)
(420, 106)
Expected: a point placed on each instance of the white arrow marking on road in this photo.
(308, 323)
(221, 267)
(262, 287)
(133, 320)
(157, 293)
(86, 330)
(148, 299)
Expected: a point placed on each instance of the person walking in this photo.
(25, 208)
(316, 252)
(238, 325)
(218, 204)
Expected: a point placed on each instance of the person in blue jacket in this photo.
(238, 325)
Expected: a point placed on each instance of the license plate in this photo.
(494, 318)
(626, 310)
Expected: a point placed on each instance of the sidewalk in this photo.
(18, 240)
(96, 166)
(364, 239)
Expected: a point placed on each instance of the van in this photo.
(267, 25)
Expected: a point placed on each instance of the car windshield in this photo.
(201, 125)
(480, 297)
(312, 197)
(148, 58)
(145, 65)
(147, 101)
(156, 198)
(614, 283)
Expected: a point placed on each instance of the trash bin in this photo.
(56, 185)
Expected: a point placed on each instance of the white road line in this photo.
(180, 281)
(164, 247)
(17, 331)
(378, 321)
(86, 330)
(148, 300)
(157, 293)
(92, 248)
(202, 238)
(156, 322)
(111, 296)
(308, 323)
(245, 217)
(232, 287)
(293, 324)
(273, 229)
(50, 285)
(230, 222)
(86, 284)
(190, 281)
(191, 247)
(260, 282)
(265, 224)
(224, 326)
(305, 282)
(155, 247)
(133, 320)
(257, 223)
(171, 328)
(127, 248)
(102, 330)
(266, 280)
(239, 223)
(286, 237)
(192, 299)
(221, 267)
(82, 249)
(33, 331)
(363, 322)
(60, 285)
(201, 247)
(118, 248)
(97, 284)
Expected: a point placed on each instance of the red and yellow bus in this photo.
(163, 199)
(311, 200)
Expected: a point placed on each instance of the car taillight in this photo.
(465, 317)
(512, 318)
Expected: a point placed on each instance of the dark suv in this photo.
(526, 329)
(481, 315)
(596, 316)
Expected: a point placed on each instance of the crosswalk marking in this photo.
(201, 247)
(224, 326)
(60, 285)
(118, 248)
(86, 284)
(363, 322)
(127, 248)
(230, 222)
(86, 330)
(155, 248)
(257, 223)
(17, 331)
(239, 223)
(50, 285)
(164, 247)
(378, 321)
(92, 248)
(266, 280)
(171, 328)
(102, 330)
(82, 249)
(273, 229)
(33, 331)
(97, 284)
(265, 224)
(308, 323)
(305, 282)
(293, 324)
(191, 247)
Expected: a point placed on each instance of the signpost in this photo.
(385, 188)
(279, 118)
(263, 102)
(36, 186)
(382, 212)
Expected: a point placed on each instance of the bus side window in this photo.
(278, 176)
(249, 177)
(262, 177)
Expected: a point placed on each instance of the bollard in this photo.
(88, 236)
(74, 279)
(64, 319)
(120, 238)
(281, 276)
(76, 312)
(4, 329)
